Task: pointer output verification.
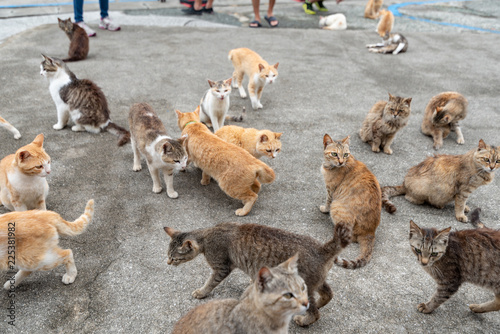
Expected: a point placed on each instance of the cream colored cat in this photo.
(248, 62)
(386, 23)
(23, 183)
(6, 125)
(256, 142)
(372, 9)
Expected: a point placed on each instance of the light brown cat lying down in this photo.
(237, 171)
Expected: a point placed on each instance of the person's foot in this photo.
(321, 7)
(208, 10)
(107, 24)
(255, 24)
(308, 8)
(88, 30)
(192, 11)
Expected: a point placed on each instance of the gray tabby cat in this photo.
(383, 121)
(81, 99)
(454, 258)
(391, 43)
(249, 247)
(150, 139)
(266, 306)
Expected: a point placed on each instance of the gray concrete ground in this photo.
(327, 84)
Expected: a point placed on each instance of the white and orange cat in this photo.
(36, 237)
(6, 125)
(386, 23)
(259, 72)
(256, 142)
(215, 103)
(372, 9)
(23, 183)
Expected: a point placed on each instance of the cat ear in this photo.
(261, 67)
(276, 65)
(408, 100)
(228, 81)
(171, 232)
(292, 263)
(24, 155)
(263, 278)
(59, 20)
(167, 147)
(327, 140)
(197, 111)
(190, 244)
(390, 96)
(345, 141)
(46, 58)
(443, 235)
(179, 114)
(39, 140)
(278, 135)
(183, 138)
(482, 145)
(264, 138)
(414, 229)
(211, 83)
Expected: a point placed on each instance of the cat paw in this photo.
(7, 285)
(243, 95)
(476, 308)
(462, 218)
(68, 279)
(137, 168)
(376, 149)
(387, 150)
(437, 146)
(58, 126)
(77, 128)
(172, 194)
(17, 135)
(304, 320)
(241, 212)
(198, 294)
(157, 190)
(422, 307)
(205, 182)
(460, 141)
(466, 209)
(324, 209)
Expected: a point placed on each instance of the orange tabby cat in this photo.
(372, 9)
(237, 172)
(35, 235)
(8, 126)
(23, 185)
(246, 61)
(255, 142)
(386, 23)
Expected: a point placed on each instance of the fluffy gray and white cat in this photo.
(391, 43)
(80, 99)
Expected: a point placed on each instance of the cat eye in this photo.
(41, 166)
(418, 251)
(288, 295)
(176, 161)
(334, 154)
(268, 151)
(486, 159)
(434, 254)
(346, 155)
(277, 150)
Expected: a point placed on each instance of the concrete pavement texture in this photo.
(327, 83)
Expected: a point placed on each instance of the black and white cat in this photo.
(391, 43)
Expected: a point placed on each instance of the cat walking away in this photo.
(149, 139)
(36, 234)
(256, 142)
(79, 40)
(441, 179)
(249, 247)
(81, 99)
(266, 306)
(454, 258)
(6, 125)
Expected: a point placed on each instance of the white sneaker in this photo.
(88, 30)
(106, 23)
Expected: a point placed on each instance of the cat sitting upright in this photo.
(248, 62)
(256, 142)
(9, 127)
(23, 183)
(79, 40)
(333, 22)
(214, 105)
(372, 9)
(149, 138)
(81, 99)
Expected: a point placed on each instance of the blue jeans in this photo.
(78, 9)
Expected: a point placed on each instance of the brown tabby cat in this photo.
(442, 114)
(23, 183)
(372, 9)
(383, 121)
(246, 61)
(266, 306)
(248, 247)
(256, 142)
(36, 235)
(453, 258)
(237, 172)
(440, 179)
(353, 197)
(386, 23)
(149, 139)
(9, 127)
(79, 40)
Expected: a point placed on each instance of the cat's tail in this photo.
(123, 135)
(265, 174)
(474, 218)
(366, 243)
(388, 192)
(238, 118)
(341, 238)
(78, 226)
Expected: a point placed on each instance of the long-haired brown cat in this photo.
(236, 171)
(259, 72)
(454, 258)
(23, 183)
(442, 114)
(441, 179)
(81, 99)
(6, 125)
(256, 142)
(249, 247)
(266, 306)
(79, 40)
(353, 197)
(372, 9)
(36, 237)
(383, 121)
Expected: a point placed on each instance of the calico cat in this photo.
(383, 121)
(79, 40)
(248, 62)
(333, 22)
(149, 138)
(9, 127)
(440, 179)
(266, 306)
(81, 99)
(237, 172)
(372, 9)
(454, 258)
(248, 247)
(353, 197)
(256, 142)
(442, 114)
(23, 183)
(215, 103)
(36, 242)
(386, 23)
(391, 43)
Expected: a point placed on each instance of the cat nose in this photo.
(306, 304)
(424, 261)
(169, 261)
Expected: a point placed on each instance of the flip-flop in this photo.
(272, 19)
(256, 24)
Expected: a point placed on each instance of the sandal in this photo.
(256, 24)
(272, 19)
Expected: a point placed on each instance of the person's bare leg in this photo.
(256, 5)
(209, 4)
(270, 12)
(198, 4)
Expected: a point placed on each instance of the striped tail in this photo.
(341, 238)
(366, 244)
(474, 218)
(265, 174)
(78, 226)
(238, 118)
(388, 192)
(123, 135)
